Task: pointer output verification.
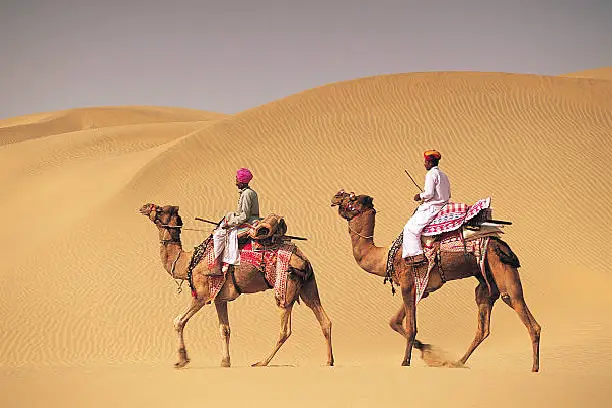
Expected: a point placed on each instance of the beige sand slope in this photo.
(51, 123)
(84, 299)
(598, 73)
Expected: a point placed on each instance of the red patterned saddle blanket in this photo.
(453, 215)
(272, 261)
(449, 242)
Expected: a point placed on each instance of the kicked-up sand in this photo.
(86, 308)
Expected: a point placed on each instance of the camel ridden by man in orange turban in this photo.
(436, 194)
(225, 236)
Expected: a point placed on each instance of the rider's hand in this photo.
(417, 197)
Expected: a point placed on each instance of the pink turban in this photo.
(244, 175)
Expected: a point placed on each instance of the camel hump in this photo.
(273, 225)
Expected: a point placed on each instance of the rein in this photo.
(168, 228)
(355, 232)
(351, 207)
(179, 287)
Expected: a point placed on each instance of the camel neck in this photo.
(370, 258)
(172, 253)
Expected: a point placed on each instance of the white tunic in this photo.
(436, 194)
(225, 241)
(437, 189)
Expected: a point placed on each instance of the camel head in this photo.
(351, 205)
(163, 216)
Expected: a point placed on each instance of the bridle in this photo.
(347, 206)
(167, 228)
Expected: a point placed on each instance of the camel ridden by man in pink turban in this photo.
(225, 236)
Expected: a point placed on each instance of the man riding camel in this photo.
(225, 236)
(435, 196)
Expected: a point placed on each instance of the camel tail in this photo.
(506, 255)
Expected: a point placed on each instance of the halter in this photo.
(349, 206)
(169, 228)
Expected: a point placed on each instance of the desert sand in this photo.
(86, 308)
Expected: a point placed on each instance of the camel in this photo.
(501, 269)
(301, 284)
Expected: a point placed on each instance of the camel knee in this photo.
(396, 325)
(537, 330)
(326, 327)
(410, 334)
(178, 324)
(285, 334)
(224, 330)
(485, 333)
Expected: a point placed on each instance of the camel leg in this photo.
(485, 304)
(513, 297)
(397, 321)
(224, 330)
(179, 324)
(285, 332)
(408, 295)
(310, 295)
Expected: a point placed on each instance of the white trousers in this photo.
(225, 243)
(411, 245)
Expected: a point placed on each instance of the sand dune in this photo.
(83, 294)
(52, 123)
(598, 73)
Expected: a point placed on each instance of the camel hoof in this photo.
(330, 363)
(225, 363)
(405, 364)
(259, 364)
(181, 364)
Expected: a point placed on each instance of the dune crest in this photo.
(598, 73)
(26, 127)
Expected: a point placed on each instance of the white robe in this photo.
(225, 241)
(436, 194)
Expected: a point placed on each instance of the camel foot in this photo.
(330, 364)
(535, 369)
(225, 363)
(259, 364)
(405, 363)
(181, 364)
(183, 359)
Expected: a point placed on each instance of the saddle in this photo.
(272, 227)
(480, 225)
(468, 235)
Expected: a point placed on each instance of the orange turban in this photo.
(432, 154)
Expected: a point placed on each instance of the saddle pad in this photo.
(453, 215)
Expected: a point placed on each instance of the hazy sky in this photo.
(229, 55)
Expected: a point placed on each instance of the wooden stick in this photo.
(288, 236)
(207, 221)
(419, 187)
